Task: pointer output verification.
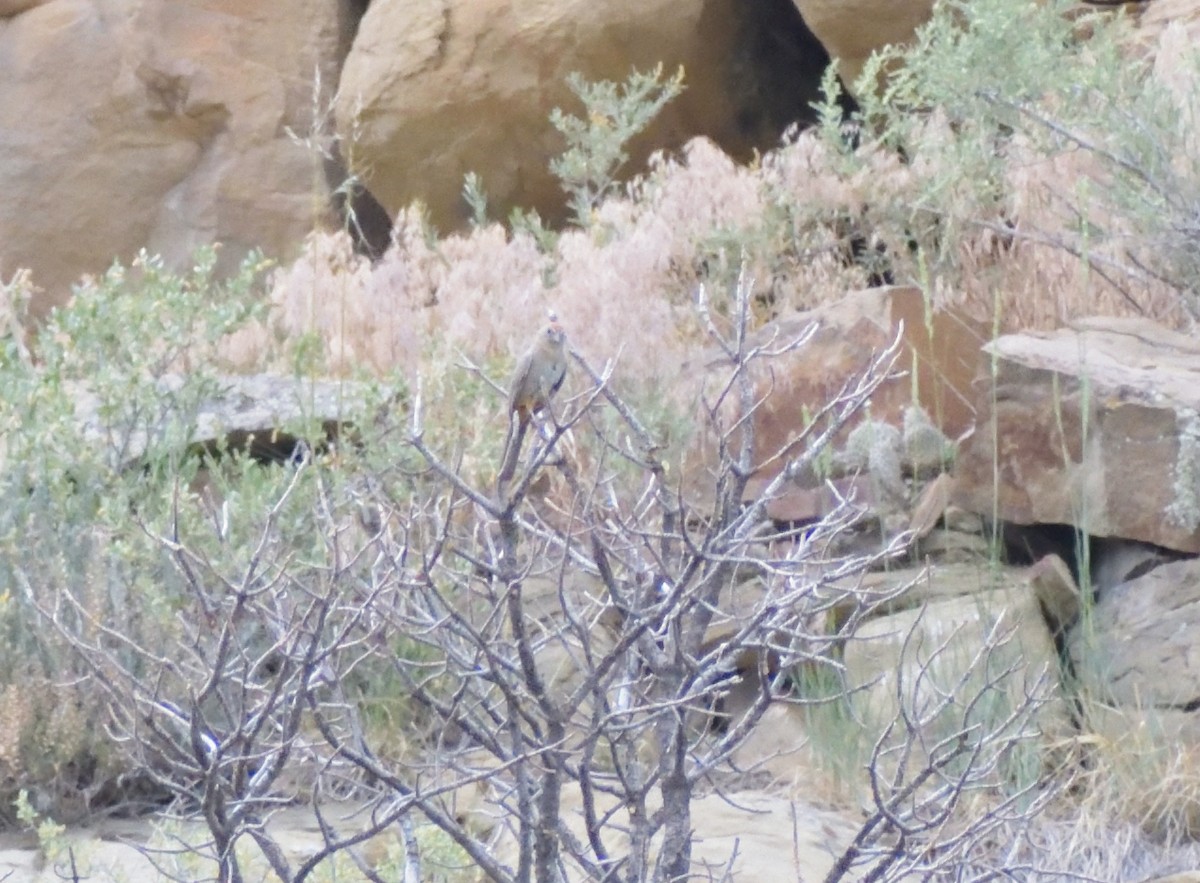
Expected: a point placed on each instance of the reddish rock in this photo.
(1084, 426)
(931, 505)
(9, 8)
(942, 348)
(1056, 590)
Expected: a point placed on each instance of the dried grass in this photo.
(623, 285)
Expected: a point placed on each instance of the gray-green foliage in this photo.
(989, 84)
(98, 419)
(136, 540)
(101, 416)
(596, 142)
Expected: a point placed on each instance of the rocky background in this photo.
(1072, 441)
(167, 125)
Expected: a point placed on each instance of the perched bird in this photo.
(537, 378)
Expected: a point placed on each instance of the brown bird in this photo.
(537, 378)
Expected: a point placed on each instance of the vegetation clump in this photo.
(370, 620)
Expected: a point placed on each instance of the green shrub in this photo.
(100, 416)
(1020, 148)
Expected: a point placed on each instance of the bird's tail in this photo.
(512, 451)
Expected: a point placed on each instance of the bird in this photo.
(538, 376)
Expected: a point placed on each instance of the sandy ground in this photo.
(769, 838)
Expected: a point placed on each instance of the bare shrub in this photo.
(559, 659)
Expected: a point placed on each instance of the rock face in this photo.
(156, 123)
(850, 30)
(1096, 426)
(258, 413)
(433, 89)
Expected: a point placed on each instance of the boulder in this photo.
(257, 413)
(938, 359)
(903, 589)
(9, 8)
(850, 30)
(1114, 561)
(1056, 590)
(1181, 877)
(958, 644)
(1140, 647)
(160, 124)
(433, 89)
(780, 745)
(1096, 426)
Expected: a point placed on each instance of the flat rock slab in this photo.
(1096, 426)
(259, 412)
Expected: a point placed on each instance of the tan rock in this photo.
(257, 412)
(433, 89)
(942, 645)
(9, 8)
(931, 505)
(910, 588)
(1181, 877)
(1056, 591)
(1094, 426)
(1137, 732)
(850, 30)
(160, 124)
(952, 547)
(779, 745)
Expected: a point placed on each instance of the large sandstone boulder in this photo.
(850, 30)
(256, 413)
(156, 123)
(1096, 426)
(1135, 659)
(989, 646)
(433, 89)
